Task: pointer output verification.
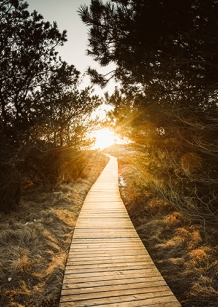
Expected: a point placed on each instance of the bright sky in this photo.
(64, 12)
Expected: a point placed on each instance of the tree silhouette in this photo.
(42, 108)
(35, 84)
(166, 60)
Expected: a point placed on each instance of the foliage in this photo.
(28, 60)
(42, 107)
(53, 167)
(10, 177)
(166, 60)
(32, 166)
(38, 91)
(164, 46)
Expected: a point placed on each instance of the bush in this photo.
(53, 166)
(49, 168)
(10, 177)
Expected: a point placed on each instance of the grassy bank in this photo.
(185, 253)
(35, 239)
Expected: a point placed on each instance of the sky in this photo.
(64, 12)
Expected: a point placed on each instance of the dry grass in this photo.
(185, 253)
(34, 241)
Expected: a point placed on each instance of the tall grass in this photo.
(34, 240)
(183, 249)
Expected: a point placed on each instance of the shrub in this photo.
(54, 166)
(10, 177)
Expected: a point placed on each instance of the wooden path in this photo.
(108, 264)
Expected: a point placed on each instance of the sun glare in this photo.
(104, 138)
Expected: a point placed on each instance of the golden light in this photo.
(104, 138)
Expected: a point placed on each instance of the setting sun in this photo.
(104, 138)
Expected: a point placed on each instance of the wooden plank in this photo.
(95, 284)
(69, 295)
(98, 236)
(102, 279)
(108, 247)
(109, 241)
(108, 264)
(118, 274)
(108, 298)
(115, 253)
(131, 287)
(109, 285)
(138, 303)
(121, 233)
(163, 302)
(97, 263)
(107, 268)
(106, 258)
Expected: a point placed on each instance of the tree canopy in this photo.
(36, 86)
(168, 47)
(166, 61)
(44, 116)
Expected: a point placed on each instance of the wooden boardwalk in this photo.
(108, 264)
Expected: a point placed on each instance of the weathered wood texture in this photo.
(108, 264)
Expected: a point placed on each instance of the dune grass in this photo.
(184, 251)
(35, 239)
